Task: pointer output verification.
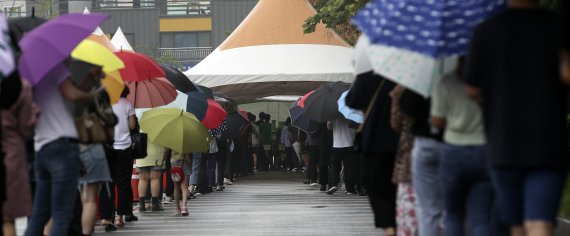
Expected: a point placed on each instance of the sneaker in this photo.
(167, 200)
(294, 170)
(220, 188)
(332, 190)
(323, 188)
(228, 181)
(350, 192)
(306, 182)
(313, 184)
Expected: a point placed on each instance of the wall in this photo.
(142, 23)
(226, 16)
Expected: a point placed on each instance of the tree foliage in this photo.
(336, 15)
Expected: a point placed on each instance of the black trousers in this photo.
(324, 162)
(122, 172)
(169, 190)
(314, 156)
(378, 169)
(222, 155)
(351, 163)
(203, 174)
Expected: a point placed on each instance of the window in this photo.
(185, 39)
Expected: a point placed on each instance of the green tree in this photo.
(336, 15)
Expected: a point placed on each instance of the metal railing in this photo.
(167, 7)
(186, 55)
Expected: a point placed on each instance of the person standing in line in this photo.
(378, 145)
(343, 153)
(314, 156)
(463, 170)
(57, 161)
(122, 164)
(255, 144)
(196, 160)
(325, 148)
(18, 123)
(295, 144)
(181, 162)
(212, 163)
(513, 70)
(265, 131)
(150, 170)
(290, 155)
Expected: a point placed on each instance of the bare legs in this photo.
(89, 199)
(9, 228)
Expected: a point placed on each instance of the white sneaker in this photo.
(166, 199)
(313, 184)
(228, 181)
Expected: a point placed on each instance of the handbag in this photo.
(139, 143)
(96, 124)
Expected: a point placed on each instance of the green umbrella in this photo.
(175, 129)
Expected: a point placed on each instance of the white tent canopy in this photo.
(268, 55)
(120, 41)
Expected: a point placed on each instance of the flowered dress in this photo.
(406, 220)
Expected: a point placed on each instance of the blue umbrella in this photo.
(349, 113)
(437, 28)
(299, 120)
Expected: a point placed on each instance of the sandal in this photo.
(184, 211)
(178, 211)
(119, 222)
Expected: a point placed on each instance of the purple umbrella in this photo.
(51, 43)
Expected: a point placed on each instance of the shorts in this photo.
(527, 194)
(185, 165)
(95, 165)
(147, 169)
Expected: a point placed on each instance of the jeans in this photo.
(57, 173)
(467, 190)
(196, 158)
(528, 193)
(425, 176)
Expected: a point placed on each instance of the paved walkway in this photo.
(273, 203)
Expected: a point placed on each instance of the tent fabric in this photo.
(268, 55)
(120, 41)
(97, 31)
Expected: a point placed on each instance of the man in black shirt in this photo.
(513, 70)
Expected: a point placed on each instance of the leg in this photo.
(144, 178)
(65, 177)
(425, 167)
(508, 186)
(336, 165)
(543, 189)
(313, 163)
(184, 191)
(177, 197)
(352, 174)
(221, 167)
(9, 228)
(212, 162)
(455, 189)
(124, 189)
(89, 200)
(41, 211)
(196, 159)
(377, 174)
(324, 162)
(479, 205)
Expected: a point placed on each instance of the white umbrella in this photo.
(412, 70)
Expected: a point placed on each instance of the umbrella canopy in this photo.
(97, 54)
(434, 28)
(23, 25)
(178, 79)
(138, 67)
(205, 90)
(302, 100)
(236, 124)
(349, 113)
(322, 104)
(299, 120)
(151, 93)
(113, 85)
(413, 70)
(208, 111)
(51, 43)
(175, 129)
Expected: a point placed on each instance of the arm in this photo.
(132, 122)
(474, 93)
(437, 122)
(565, 67)
(73, 94)
(395, 115)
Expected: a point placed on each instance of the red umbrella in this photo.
(243, 113)
(301, 101)
(139, 67)
(215, 114)
(151, 93)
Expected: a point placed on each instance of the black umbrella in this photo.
(299, 120)
(231, 127)
(221, 97)
(22, 25)
(205, 90)
(322, 104)
(178, 79)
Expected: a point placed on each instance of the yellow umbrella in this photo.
(97, 54)
(114, 85)
(175, 129)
